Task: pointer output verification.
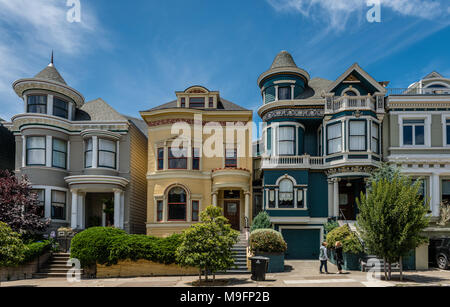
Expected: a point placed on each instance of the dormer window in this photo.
(60, 108)
(37, 104)
(197, 102)
(284, 93)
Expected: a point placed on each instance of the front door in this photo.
(231, 212)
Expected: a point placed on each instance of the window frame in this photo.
(289, 91)
(350, 135)
(197, 104)
(294, 141)
(65, 153)
(294, 205)
(87, 151)
(40, 104)
(196, 158)
(99, 151)
(159, 210)
(65, 206)
(41, 203)
(340, 124)
(195, 211)
(59, 108)
(171, 157)
(42, 149)
(413, 132)
(372, 138)
(228, 159)
(160, 159)
(179, 203)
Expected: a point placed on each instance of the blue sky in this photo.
(136, 54)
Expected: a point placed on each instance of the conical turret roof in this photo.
(50, 73)
(283, 59)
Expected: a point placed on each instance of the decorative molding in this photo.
(350, 169)
(293, 112)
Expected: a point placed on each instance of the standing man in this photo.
(323, 257)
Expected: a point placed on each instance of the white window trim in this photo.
(413, 116)
(48, 201)
(351, 89)
(445, 117)
(325, 136)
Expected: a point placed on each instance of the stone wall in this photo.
(142, 268)
(25, 271)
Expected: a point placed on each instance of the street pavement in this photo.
(298, 274)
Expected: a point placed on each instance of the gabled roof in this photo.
(50, 73)
(222, 105)
(433, 75)
(99, 110)
(362, 72)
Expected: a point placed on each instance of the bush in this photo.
(330, 226)
(34, 250)
(349, 240)
(261, 221)
(108, 246)
(267, 241)
(11, 247)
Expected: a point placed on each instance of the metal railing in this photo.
(418, 91)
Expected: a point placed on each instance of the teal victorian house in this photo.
(320, 142)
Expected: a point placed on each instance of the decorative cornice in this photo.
(93, 179)
(172, 121)
(293, 112)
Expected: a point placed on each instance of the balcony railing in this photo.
(292, 161)
(414, 91)
(338, 104)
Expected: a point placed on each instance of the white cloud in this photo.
(29, 30)
(336, 13)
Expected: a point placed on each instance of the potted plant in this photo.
(269, 243)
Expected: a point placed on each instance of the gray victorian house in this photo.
(86, 162)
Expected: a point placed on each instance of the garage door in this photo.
(302, 243)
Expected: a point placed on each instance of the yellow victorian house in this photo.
(199, 154)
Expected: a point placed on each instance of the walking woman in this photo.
(339, 256)
(323, 257)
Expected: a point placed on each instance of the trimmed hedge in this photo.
(108, 246)
(34, 250)
(267, 241)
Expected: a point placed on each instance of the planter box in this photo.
(24, 271)
(351, 261)
(143, 268)
(276, 263)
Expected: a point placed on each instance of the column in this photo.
(48, 155)
(70, 111)
(68, 155)
(81, 210)
(336, 197)
(74, 218)
(305, 198)
(94, 152)
(435, 195)
(330, 198)
(292, 92)
(48, 203)
(122, 210)
(276, 197)
(118, 156)
(247, 209)
(214, 199)
(117, 200)
(266, 202)
(25, 100)
(276, 92)
(24, 150)
(50, 105)
(103, 216)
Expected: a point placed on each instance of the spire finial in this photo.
(51, 61)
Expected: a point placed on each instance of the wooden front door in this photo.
(231, 212)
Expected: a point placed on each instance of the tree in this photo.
(391, 219)
(385, 171)
(207, 245)
(12, 248)
(19, 206)
(261, 221)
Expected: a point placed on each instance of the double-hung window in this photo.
(37, 104)
(177, 158)
(160, 158)
(177, 200)
(284, 93)
(286, 194)
(197, 102)
(40, 196)
(196, 159)
(58, 205)
(159, 210)
(334, 138)
(375, 136)
(36, 149)
(195, 210)
(107, 153)
(88, 150)
(357, 135)
(286, 141)
(60, 108)
(231, 157)
(59, 153)
(413, 132)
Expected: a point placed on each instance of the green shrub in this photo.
(330, 226)
(34, 250)
(108, 246)
(93, 245)
(267, 241)
(261, 221)
(349, 240)
(11, 247)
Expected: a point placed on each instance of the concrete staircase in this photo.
(240, 256)
(56, 267)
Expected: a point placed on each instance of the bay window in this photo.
(58, 205)
(37, 104)
(286, 141)
(40, 197)
(334, 138)
(375, 136)
(177, 200)
(107, 153)
(269, 141)
(36, 149)
(357, 135)
(177, 158)
(286, 194)
(60, 108)
(446, 190)
(414, 132)
(59, 153)
(88, 152)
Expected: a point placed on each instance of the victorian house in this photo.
(417, 137)
(320, 142)
(85, 161)
(196, 159)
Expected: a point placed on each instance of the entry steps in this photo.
(240, 256)
(56, 267)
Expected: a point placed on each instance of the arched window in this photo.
(286, 194)
(177, 199)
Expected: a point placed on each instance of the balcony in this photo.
(416, 91)
(354, 103)
(306, 162)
